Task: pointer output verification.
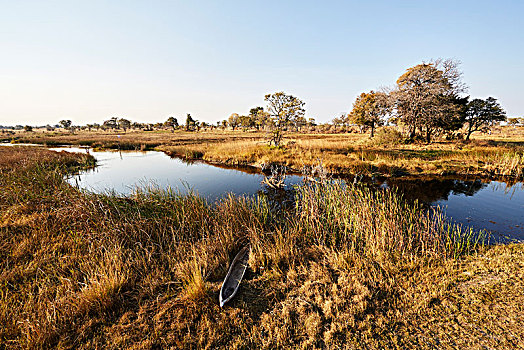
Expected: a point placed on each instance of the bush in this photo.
(387, 136)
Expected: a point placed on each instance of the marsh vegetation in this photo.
(500, 155)
(344, 267)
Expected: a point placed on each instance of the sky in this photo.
(88, 61)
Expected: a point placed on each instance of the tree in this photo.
(337, 121)
(124, 124)
(190, 123)
(233, 120)
(481, 114)
(246, 121)
(299, 123)
(258, 116)
(452, 115)
(427, 94)
(66, 124)
(28, 128)
(370, 109)
(283, 109)
(112, 123)
(172, 123)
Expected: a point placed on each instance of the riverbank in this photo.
(500, 155)
(344, 268)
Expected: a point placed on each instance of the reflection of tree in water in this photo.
(429, 191)
(280, 199)
(423, 190)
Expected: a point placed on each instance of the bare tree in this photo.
(282, 109)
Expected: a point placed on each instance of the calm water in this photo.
(124, 171)
(494, 206)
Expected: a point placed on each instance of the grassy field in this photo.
(344, 268)
(500, 155)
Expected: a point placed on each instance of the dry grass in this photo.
(344, 268)
(343, 154)
(131, 140)
(498, 155)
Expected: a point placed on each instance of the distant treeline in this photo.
(428, 100)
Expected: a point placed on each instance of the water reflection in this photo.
(492, 205)
(432, 190)
(123, 171)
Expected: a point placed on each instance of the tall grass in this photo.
(378, 223)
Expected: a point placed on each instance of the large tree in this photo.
(427, 95)
(481, 114)
(370, 110)
(283, 109)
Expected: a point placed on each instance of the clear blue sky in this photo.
(146, 60)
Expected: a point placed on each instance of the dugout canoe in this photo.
(234, 276)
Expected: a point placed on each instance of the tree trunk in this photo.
(412, 133)
(469, 132)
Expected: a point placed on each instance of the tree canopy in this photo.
(283, 110)
(66, 124)
(427, 96)
(190, 122)
(124, 124)
(370, 109)
(172, 123)
(481, 114)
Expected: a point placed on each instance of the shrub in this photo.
(387, 136)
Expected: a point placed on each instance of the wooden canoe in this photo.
(234, 276)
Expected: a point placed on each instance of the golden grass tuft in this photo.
(193, 279)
